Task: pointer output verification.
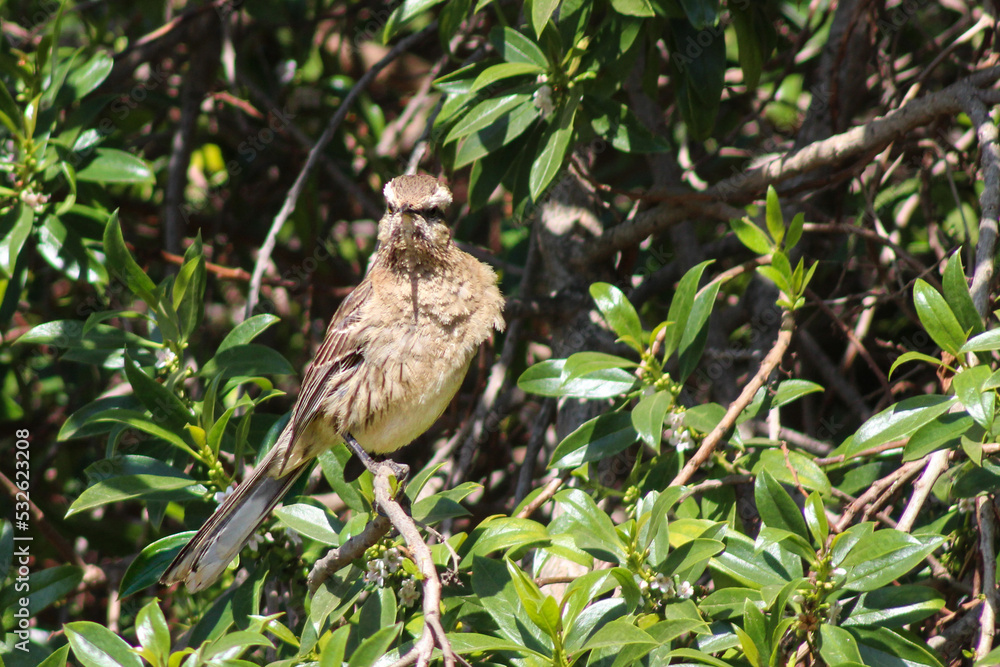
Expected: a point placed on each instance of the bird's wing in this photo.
(338, 356)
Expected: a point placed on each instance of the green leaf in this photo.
(247, 330)
(472, 642)
(980, 403)
(121, 265)
(941, 433)
(111, 165)
(744, 564)
(147, 568)
(689, 560)
(918, 356)
(752, 236)
(404, 13)
(249, 359)
(57, 658)
(95, 646)
(751, 51)
(162, 403)
(728, 603)
(882, 646)
(938, 318)
(583, 364)
(984, 342)
(956, 293)
(838, 646)
(592, 529)
(142, 422)
(152, 632)
(776, 507)
(775, 220)
(694, 331)
(15, 225)
(515, 47)
(87, 77)
(897, 422)
(485, 114)
(503, 71)
(556, 143)
(312, 522)
(487, 142)
(680, 307)
(809, 475)
(502, 533)
(895, 606)
(648, 416)
(541, 11)
(792, 390)
(617, 311)
(598, 438)
(492, 584)
(816, 520)
(885, 555)
(633, 7)
(619, 633)
(546, 379)
(131, 487)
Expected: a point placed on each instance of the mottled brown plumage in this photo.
(393, 357)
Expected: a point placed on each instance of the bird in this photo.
(393, 357)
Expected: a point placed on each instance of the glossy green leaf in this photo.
(122, 266)
(648, 416)
(515, 47)
(57, 658)
(741, 562)
(633, 7)
(144, 423)
(618, 125)
(488, 141)
(885, 555)
(152, 632)
(162, 403)
(808, 474)
(838, 646)
(956, 293)
(555, 146)
(918, 356)
(617, 311)
(15, 226)
(146, 569)
(984, 342)
(88, 76)
(694, 332)
(937, 317)
(132, 487)
(776, 507)
(752, 236)
(491, 582)
(775, 220)
(582, 364)
(598, 438)
(592, 529)
(897, 422)
(312, 522)
(680, 307)
(248, 359)
(485, 114)
(94, 645)
(247, 330)
(882, 646)
(979, 403)
(546, 379)
(727, 603)
(111, 165)
(503, 71)
(816, 520)
(895, 606)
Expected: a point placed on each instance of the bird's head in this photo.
(413, 228)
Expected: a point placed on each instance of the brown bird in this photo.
(394, 355)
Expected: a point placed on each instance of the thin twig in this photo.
(987, 533)
(936, 464)
(295, 191)
(767, 366)
(349, 551)
(433, 633)
(544, 496)
(989, 203)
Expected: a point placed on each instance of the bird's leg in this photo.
(399, 470)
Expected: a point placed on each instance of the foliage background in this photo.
(586, 142)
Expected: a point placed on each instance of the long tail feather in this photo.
(228, 530)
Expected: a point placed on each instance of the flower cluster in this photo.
(678, 435)
(670, 586)
(384, 566)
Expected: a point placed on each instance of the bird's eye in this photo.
(434, 213)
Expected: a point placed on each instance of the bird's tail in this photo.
(228, 530)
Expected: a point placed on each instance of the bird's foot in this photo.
(399, 470)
